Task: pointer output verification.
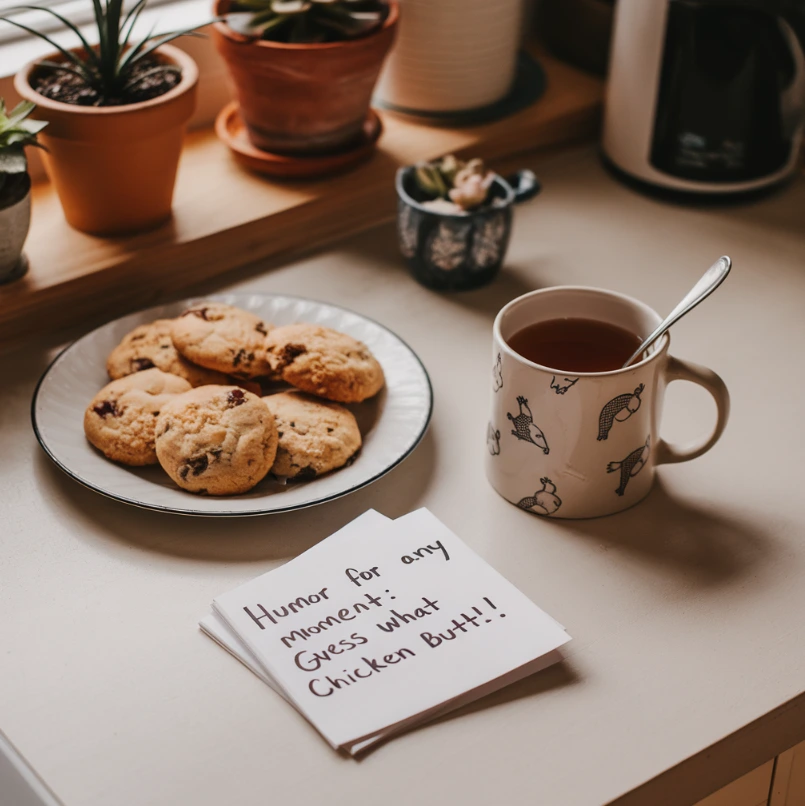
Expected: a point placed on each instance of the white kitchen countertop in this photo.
(687, 611)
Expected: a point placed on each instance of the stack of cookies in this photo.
(191, 394)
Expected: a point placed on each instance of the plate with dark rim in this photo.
(392, 423)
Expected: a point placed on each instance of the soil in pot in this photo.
(68, 88)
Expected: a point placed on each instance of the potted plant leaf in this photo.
(304, 70)
(117, 112)
(16, 132)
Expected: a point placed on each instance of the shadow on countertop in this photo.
(558, 676)
(270, 537)
(703, 545)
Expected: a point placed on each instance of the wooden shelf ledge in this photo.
(225, 217)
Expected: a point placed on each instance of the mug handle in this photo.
(524, 184)
(678, 370)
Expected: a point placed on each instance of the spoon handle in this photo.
(708, 283)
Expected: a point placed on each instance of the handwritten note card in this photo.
(383, 625)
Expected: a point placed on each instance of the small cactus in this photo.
(306, 21)
(430, 179)
(454, 186)
(15, 133)
(449, 166)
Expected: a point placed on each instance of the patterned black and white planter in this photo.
(462, 251)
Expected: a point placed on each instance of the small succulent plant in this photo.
(454, 186)
(15, 133)
(306, 21)
(114, 66)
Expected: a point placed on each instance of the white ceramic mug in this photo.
(581, 445)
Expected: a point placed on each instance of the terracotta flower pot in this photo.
(114, 167)
(304, 98)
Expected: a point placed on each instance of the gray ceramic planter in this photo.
(15, 218)
(457, 252)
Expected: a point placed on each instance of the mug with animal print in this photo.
(586, 444)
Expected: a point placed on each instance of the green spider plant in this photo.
(15, 133)
(306, 20)
(108, 67)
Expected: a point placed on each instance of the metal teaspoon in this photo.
(709, 282)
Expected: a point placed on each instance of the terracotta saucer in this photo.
(230, 128)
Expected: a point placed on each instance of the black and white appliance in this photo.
(706, 96)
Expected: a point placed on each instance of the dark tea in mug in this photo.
(575, 345)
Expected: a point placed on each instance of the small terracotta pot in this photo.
(304, 98)
(114, 167)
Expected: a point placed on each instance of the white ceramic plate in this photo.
(392, 423)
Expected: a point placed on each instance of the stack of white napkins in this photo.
(382, 626)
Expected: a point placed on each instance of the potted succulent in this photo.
(304, 70)
(454, 220)
(15, 185)
(117, 113)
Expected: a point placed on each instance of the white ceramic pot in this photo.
(14, 222)
(452, 55)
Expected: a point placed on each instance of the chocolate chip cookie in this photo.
(223, 338)
(121, 419)
(324, 362)
(315, 436)
(219, 440)
(149, 346)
